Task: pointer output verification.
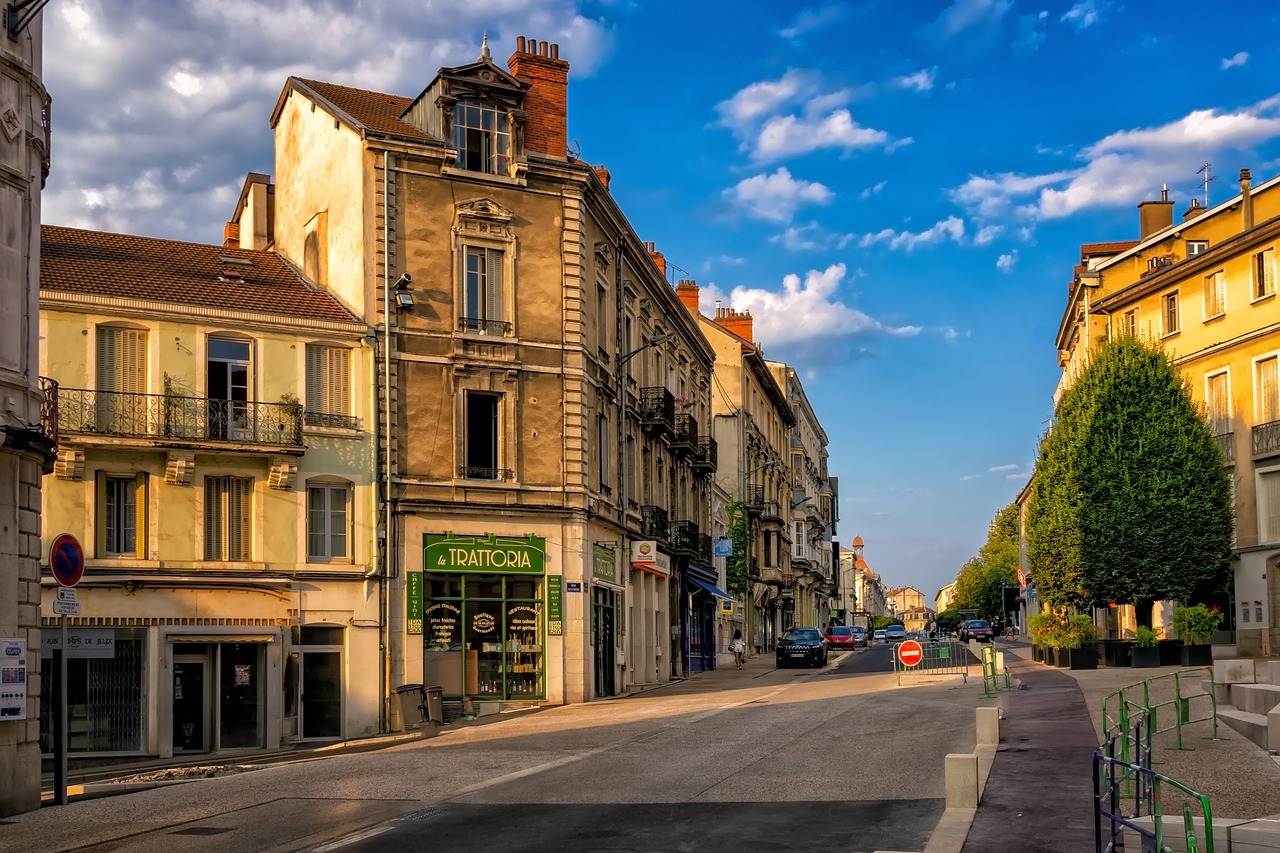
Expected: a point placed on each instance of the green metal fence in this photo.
(1169, 715)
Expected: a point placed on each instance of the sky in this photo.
(896, 191)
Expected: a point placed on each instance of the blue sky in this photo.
(897, 191)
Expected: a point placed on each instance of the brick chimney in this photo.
(659, 259)
(1194, 210)
(687, 290)
(1246, 200)
(546, 103)
(1155, 216)
(603, 174)
(738, 322)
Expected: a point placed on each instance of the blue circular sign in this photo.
(66, 560)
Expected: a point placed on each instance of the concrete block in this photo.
(988, 726)
(960, 774)
(1252, 726)
(1234, 671)
(1173, 838)
(1255, 698)
(1255, 836)
(1273, 731)
(1271, 673)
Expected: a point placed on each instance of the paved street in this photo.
(758, 759)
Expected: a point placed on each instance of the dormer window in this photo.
(482, 137)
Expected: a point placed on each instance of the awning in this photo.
(713, 589)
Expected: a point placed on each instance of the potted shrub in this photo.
(1038, 624)
(1195, 625)
(1080, 643)
(1146, 649)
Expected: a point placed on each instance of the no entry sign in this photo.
(910, 653)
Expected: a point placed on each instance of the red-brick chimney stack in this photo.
(546, 128)
(603, 174)
(659, 259)
(738, 322)
(687, 290)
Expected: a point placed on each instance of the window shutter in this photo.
(108, 356)
(1269, 271)
(133, 361)
(338, 514)
(493, 290)
(100, 509)
(238, 509)
(140, 517)
(1269, 506)
(338, 395)
(315, 378)
(213, 518)
(1267, 391)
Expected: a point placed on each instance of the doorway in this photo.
(227, 386)
(604, 639)
(320, 683)
(191, 693)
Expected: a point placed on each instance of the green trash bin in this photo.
(411, 705)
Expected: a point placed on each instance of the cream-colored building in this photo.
(944, 597)
(27, 425)
(215, 458)
(1205, 287)
(904, 599)
(868, 586)
(545, 482)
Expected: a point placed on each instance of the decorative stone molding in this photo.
(69, 465)
(284, 473)
(11, 121)
(180, 467)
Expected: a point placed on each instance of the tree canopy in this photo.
(1132, 501)
(981, 582)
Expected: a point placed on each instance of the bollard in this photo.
(988, 722)
(960, 773)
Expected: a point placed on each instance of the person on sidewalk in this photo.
(737, 646)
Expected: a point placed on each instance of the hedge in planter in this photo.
(1196, 624)
(1146, 650)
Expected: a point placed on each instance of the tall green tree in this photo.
(981, 582)
(1132, 501)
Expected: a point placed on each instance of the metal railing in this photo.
(481, 326)
(684, 537)
(704, 454)
(49, 408)
(170, 416)
(1227, 444)
(1266, 439)
(653, 522)
(940, 657)
(331, 420)
(481, 472)
(1120, 707)
(685, 438)
(657, 408)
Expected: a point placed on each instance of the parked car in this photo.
(860, 636)
(895, 634)
(841, 637)
(975, 629)
(878, 635)
(801, 646)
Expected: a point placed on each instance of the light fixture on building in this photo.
(404, 299)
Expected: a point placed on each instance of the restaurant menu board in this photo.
(13, 678)
(555, 605)
(413, 602)
(443, 628)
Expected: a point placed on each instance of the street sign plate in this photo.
(67, 593)
(67, 608)
(910, 653)
(573, 586)
(66, 560)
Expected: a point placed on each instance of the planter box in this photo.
(1145, 656)
(1196, 654)
(1114, 652)
(1170, 652)
(1037, 654)
(1081, 658)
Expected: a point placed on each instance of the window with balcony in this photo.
(121, 530)
(329, 387)
(482, 294)
(228, 371)
(482, 137)
(1169, 314)
(1269, 505)
(1215, 295)
(227, 514)
(120, 403)
(328, 522)
(481, 436)
(1264, 273)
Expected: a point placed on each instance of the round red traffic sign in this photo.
(910, 653)
(66, 560)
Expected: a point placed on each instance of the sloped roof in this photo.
(169, 271)
(1112, 248)
(377, 111)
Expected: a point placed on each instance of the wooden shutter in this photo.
(338, 381)
(213, 513)
(239, 492)
(100, 508)
(1268, 392)
(315, 401)
(1268, 272)
(493, 284)
(140, 517)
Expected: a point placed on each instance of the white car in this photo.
(895, 633)
(878, 636)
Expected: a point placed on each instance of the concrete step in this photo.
(1255, 698)
(1252, 726)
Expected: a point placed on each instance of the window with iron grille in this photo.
(481, 447)
(328, 386)
(121, 516)
(227, 513)
(328, 522)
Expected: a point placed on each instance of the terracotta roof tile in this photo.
(1113, 248)
(129, 267)
(377, 111)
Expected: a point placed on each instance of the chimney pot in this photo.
(519, 44)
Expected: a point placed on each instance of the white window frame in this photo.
(1219, 418)
(498, 153)
(328, 385)
(228, 543)
(1129, 323)
(1215, 295)
(1197, 247)
(1267, 520)
(323, 525)
(1166, 301)
(111, 520)
(1264, 273)
(1266, 400)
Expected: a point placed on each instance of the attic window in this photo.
(482, 137)
(235, 261)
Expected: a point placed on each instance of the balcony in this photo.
(475, 472)
(704, 455)
(49, 409)
(684, 538)
(477, 326)
(755, 500)
(172, 419)
(1266, 439)
(685, 440)
(653, 522)
(331, 420)
(1227, 444)
(705, 551)
(657, 410)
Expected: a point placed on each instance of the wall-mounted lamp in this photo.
(404, 281)
(404, 300)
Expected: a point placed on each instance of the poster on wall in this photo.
(555, 605)
(13, 678)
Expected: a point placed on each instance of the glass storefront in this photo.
(105, 707)
(219, 695)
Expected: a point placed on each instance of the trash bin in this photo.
(434, 702)
(411, 710)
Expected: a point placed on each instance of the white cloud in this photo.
(1006, 262)
(785, 136)
(776, 197)
(963, 15)
(806, 310)
(986, 234)
(996, 469)
(873, 190)
(813, 19)
(1082, 15)
(921, 81)
(951, 228)
(765, 97)
(1238, 60)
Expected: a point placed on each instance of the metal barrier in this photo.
(1118, 708)
(991, 672)
(1120, 776)
(939, 657)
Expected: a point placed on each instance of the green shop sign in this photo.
(603, 565)
(555, 605)
(413, 602)
(445, 552)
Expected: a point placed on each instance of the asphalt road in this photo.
(839, 759)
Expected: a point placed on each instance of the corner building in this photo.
(544, 464)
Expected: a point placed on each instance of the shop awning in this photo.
(712, 588)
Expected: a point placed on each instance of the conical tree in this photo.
(1133, 502)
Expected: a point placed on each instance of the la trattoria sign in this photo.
(445, 552)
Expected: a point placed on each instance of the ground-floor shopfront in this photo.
(701, 613)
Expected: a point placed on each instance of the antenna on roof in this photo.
(1204, 182)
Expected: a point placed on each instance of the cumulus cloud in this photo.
(775, 197)
(964, 15)
(1233, 61)
(987, 234)
(920, 81)
(813, 19)
(951, 228)
(1006, 262)
(1082, 15)
(785, 136)
(806, 311)
(873, 190)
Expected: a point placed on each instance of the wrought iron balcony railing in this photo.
(653, 522)
(705, 551)
(755, 499)
(483, 327)
(1266, 439)
(657, 409)
(474, 472)
(1227, 444)
(684, 537)
(49, 408)
(704, 455)
(169, 416)
(685, 438)
(331, 420)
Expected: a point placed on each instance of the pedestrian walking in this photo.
(737, 646)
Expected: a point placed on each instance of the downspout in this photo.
(388, 538)
(620, 369)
